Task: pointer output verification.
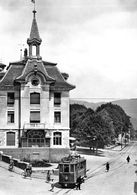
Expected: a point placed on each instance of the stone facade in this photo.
(34, 105)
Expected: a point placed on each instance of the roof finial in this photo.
(34, 12)
(33, 1)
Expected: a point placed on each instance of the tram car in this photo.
(70, 168)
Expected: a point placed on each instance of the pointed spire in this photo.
(34, 33)
(34, 40)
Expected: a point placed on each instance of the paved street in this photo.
(118, 181)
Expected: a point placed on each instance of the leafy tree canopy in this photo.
(104, 124)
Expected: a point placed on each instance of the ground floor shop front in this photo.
(35, 144)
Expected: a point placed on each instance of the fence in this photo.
(17, 162)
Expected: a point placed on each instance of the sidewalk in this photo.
(115, 147)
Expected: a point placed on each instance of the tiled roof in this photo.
(2, 75)
(49, 63)
(10, 75)
(60, 83)
(18, 71)
(21, 62)
(30, 67)
(34, 33)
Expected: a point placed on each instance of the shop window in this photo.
(10, 139)
(57, 99)
(10, 116)
(10, 99)
(35, 98)
(57, 137)
(57, 117)
(35, 117)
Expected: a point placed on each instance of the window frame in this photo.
(57, 99)
(11, 141)
(32, 102)
(57, 138)
(10, 100)
(57, 117)
(10, 114)
(35, 121)
(66, 168)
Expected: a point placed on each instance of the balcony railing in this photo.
(34, 142)
(34, 126)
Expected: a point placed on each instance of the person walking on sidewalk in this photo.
(128, 159)
(79, 182)
(48, 176)
(107, 166)
(11, 165)
(52, 186)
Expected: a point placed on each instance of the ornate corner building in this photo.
(34, 105)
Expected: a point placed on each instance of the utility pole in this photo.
(135, 183)
(121, 137)
(21, 46)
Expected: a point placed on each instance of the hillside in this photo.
(128, 105)
(85, 103)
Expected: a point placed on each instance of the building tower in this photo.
(34, 40)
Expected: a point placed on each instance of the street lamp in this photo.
(135, 185)
(95, 143)
(121, 136)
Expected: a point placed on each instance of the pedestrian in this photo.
(28, 170)
(107, 166)
(11, 165)
(79, 182)
(52, 186)
(48, 176)
(128, 159)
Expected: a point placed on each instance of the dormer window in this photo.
(57, 99)
(10, 99)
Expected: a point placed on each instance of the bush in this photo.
(38, 163)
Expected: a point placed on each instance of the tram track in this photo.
(116, 163)
(100, 170)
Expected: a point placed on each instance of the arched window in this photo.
(57, 138)
(10, 139)
(34, 50)
(35, 98)
(36, 138)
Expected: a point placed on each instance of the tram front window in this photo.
(71, 168)
(66, 168)
(61, 168)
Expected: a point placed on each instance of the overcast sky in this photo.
(94, 41)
